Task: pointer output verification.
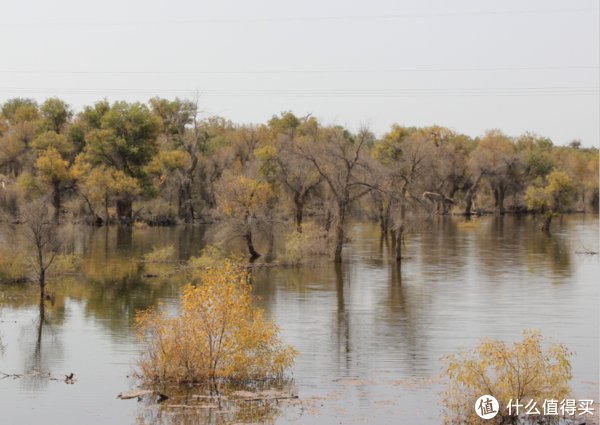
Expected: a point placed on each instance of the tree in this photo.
(126, 141)
(496, 160)
(553, 198)
(170, 171)
(181, 132)
(44, 240)
(339, 158)
(54, 171)
(101, 184)
(407, 157)
(55, 114)
(241, 200)
(218, 335)
(282, 162)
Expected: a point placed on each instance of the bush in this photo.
(160, 255)
(65, 264)
(13, 268)
(9, 201)
(524, 371)
(218, 334)
(312, 242)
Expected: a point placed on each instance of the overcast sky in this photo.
(470, 65)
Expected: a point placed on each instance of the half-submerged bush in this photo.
(218, 334)
(311, 243)
(163, 254)
(523, 371)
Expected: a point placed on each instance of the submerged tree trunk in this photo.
(499, 193)
(547, 222)
(399, 238)
(124, 210)
(186, 207)
(339, 231)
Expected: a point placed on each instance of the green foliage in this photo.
(20, 109)
(55, 113)
(524, 370)
(555, 196)
(50, 139)
(29, 185)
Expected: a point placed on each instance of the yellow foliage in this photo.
(311, 243)
(523, 370)
(50, 139)
(51, 167)
(160, 255)
(12, 267)
(553, 197)
(239, 196)
(218, 334)
(168, 161)
(65, 264)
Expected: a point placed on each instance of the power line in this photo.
(302, 71)
(324, 93)
(251, 20)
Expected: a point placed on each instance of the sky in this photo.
(470, 65)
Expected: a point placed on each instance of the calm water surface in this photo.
(370, 335)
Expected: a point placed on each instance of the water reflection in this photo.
(42, 343)
(366, 319)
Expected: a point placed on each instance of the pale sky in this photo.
(470, 65)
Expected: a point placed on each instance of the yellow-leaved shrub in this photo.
(526, 370)
(218, 334)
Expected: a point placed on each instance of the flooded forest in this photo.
(162, 266)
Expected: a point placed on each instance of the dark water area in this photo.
(370, 334)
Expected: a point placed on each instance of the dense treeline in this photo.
(163, 164)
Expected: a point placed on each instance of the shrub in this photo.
(160, 255)
(312, 242)
(65, 264)
(218, 334)
(524, 371)
(13, 268)
(9, 201)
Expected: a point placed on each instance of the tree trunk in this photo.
(469, 200)
(499, 199)
(124, 210)
(254, 255)
(56, 200)
(546, 224)
(42, 283)
(399, 237)
(339, 231)
(328, 221)
(186, 207)
(299, 211)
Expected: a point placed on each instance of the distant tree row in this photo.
(162, 163)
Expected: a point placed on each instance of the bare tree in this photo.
(338, 157)
(43, 239)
